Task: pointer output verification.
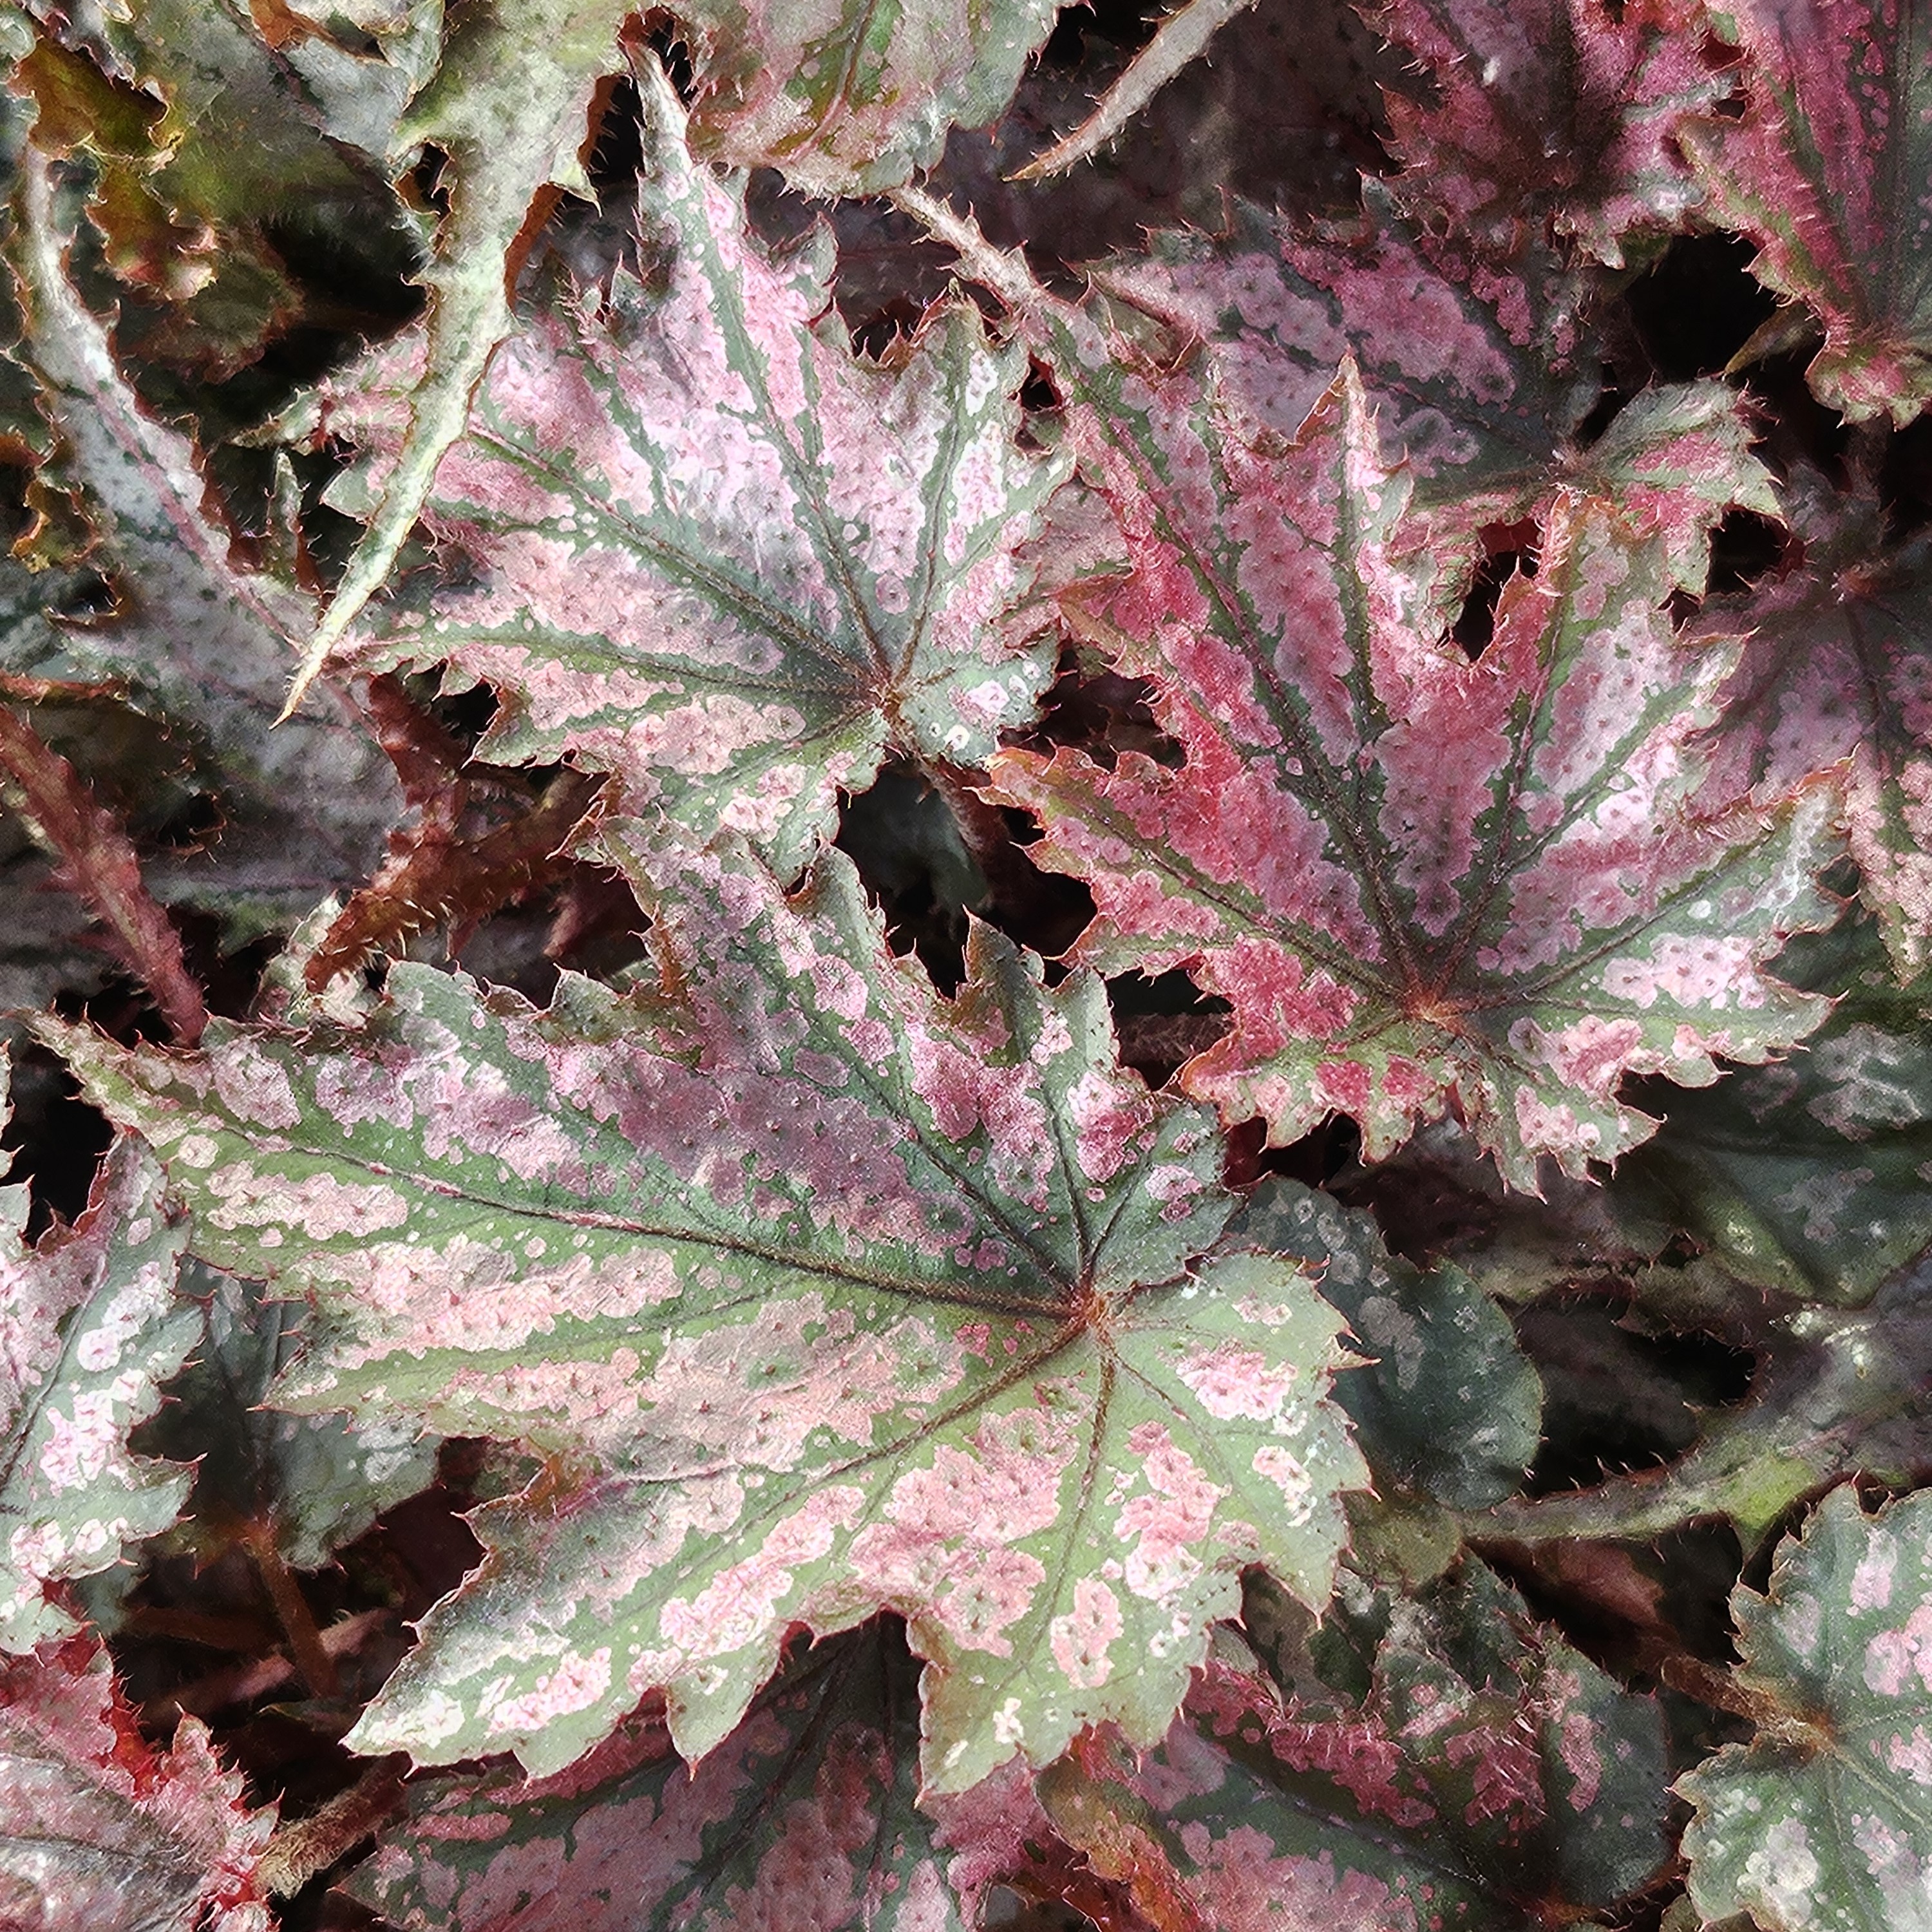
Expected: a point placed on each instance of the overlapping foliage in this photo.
(1158, 938)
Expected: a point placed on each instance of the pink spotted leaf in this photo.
(1561, 115)
(823, 1295)
(1823, 1820)
(806, 1815)
(1419, 882)
(1478, 1772)
(1838, 667)
(1829, 171)
(1481, 379)
(99, 1831)
(713, 552)
(90, 1326)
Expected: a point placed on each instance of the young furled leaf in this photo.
(1836, 667)
(1829, 171)
(1559, 113)
(1823, 1823)
(1489, 1778)
(1481, 379)
(1416, 880)
(804, 1817)
(99, 1832)
(90, 1326)
(1448, 1404)
(824, 1295)
(719, 556)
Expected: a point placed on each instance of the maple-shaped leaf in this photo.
(1829, 171)
(90, 1325)
(1486, 1777)
(1481, 379)
(805, 1816)
(1560, 114)
(1448, 1404)
(1807, 1176)
(100, 1832)
(824, 1295)
(718, 555)
(1823, 1823)
(1837, 667)
(1418, 881)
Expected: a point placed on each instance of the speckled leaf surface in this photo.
(806, 1816)
(1416, 880)
(90, 1325)
(1449, 1404)
(1809, 1175)
(1562, 114)
(719, 556)
(847, 97)
(1837, 667)
(1829, 171)
(100, 1832)
(824, 1295)
(1490, 1779)
(1823, 1823)
(1479, 377)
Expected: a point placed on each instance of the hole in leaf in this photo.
(1163, 1022)
(1475, 626)
(1617, 1400)
(1698, 305)
(55, 1138)
(618, 153)
(913, 858)
(1007, 1911)
(1744, 548)
(1102, 713)
(881, 334)
(427, 177)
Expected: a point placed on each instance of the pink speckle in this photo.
(1893, 1655)
(1080, 1638)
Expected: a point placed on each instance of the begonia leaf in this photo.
(164, 99)
(1490, 1778)
(1448, 1404)
(1837, 667)
(823, 1294)
(1808, 1176)
(1481, 379)
(1418, 881)
(805, 1816)
(1823, 1823)
(90, 1326)
(202, 641)
(718, 555)
(100, 1832)
(1562, 113)
(509, 105)
(1829, 171)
